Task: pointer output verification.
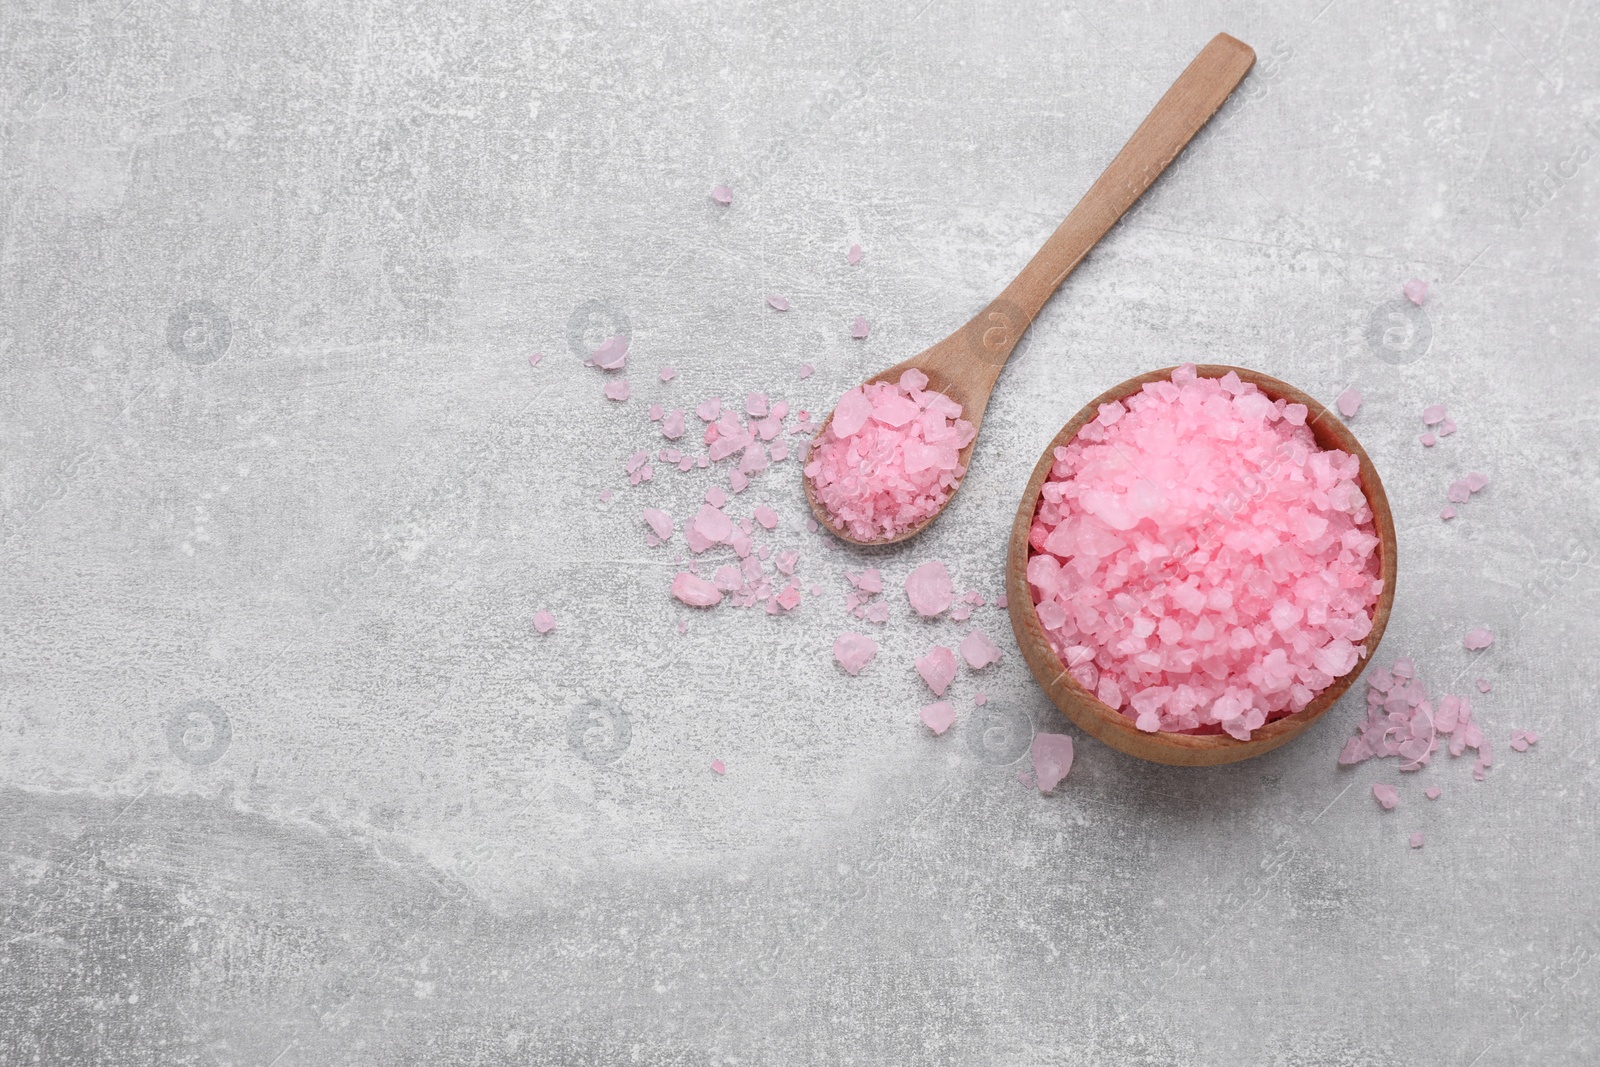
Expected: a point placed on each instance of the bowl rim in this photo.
(1111, 726)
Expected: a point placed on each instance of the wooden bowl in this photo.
(1110, 725)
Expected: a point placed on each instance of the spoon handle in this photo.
(1199, 91)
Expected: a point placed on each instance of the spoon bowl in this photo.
(1107, 724)
(966, 365)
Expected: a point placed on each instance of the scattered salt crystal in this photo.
(722, 194)
(668, 373)
(806, 371)
(1519, 741)
(1428, 440)
(1434, 792)
(938, 717)
(1416, 840)
(1387, 795)
(660, 522)
(1478, 639)
(696, 592)
(672, 425)
(1350, 402)
(1001, 601)
(811, 524)
(709, 409)
(543, 621)
(1458, 493)
(612, 353)
(534, 358)
(1476, 481)
(1484, 685)
(854, 255)
(854, 651)
(938, 669)
(787, 560)
(605, 496)
(756, 404)
(859, 328)
(1052, 759)
(1447, 427)
(980, 698)
(979, 651)
(617, 389)
(656, 412)
(1532, 737)
(1433, 414)
(765, 516)
(778, 303)
(1448, 513)
(718, 767)
(928, 588)
(1416, 291)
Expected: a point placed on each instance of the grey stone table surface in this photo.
(286, 775)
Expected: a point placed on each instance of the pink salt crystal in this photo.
(605, 496)
(1434, 792)
(1448, 513)
(859, 328)
(756, 404)
(667, 373)
(851, 414)
(672, 425)
(816, 590)
(1478, 639)
(979, 651)
(716, 497)
(617, 389)
(878, 612)
(869, 581)
(738, 480)
(718, 767)
(1448, 427)
(1416, 839)
(961, 613)
(612, 353)
(928, 588)
(1052, 759)
(1484, 685)
(1428, 440)
(1519, 742)
(765, 516)
(1000, 601)
(696, 592)
(683, 626)
(1416, 291)
(722, 194)
(656, 412)
(806, 371)
(534, 358)
(778, 303)
(543, 621)
(938, 669)
(1532, 737)
(854, 255)
(937, 717)
(854, 651)
(1433, 414)
(787, 560)
(980, 698)
(1387, 795)
(1475, 481)
(708, 410)
(789, 599)
(1349, 402)
(811, 524)
(1458, 493)
(660, 522)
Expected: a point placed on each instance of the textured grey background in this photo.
(287, 778)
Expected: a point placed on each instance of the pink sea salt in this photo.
(1433, 414)
(979, 651)
(534, 358)
(859, 328)
(1447, 513)
(617, 389)
(605, 496)
(1434, 792)
(612, 353)
(1052, 759)
(1349, 402)
(765, 516)
(543, 621)
(854, 255)
(660, 522)
(806, 371)
(1475, 481)
(1387, 795)
(778, 303)
(938, 669)
(1428, 440)
(695, 591)
(667, 373)
(890, 457)
(938, 717)
(980, 698)
(928, 588)
(722, 194)
(1416, 291)
(1484, 685)
(1478, 639)
(718, 768)
(672, 425)
(1208, 564)
(854, 651)
(1447, 427)
(1416, 840)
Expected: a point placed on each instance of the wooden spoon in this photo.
(965, 365)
